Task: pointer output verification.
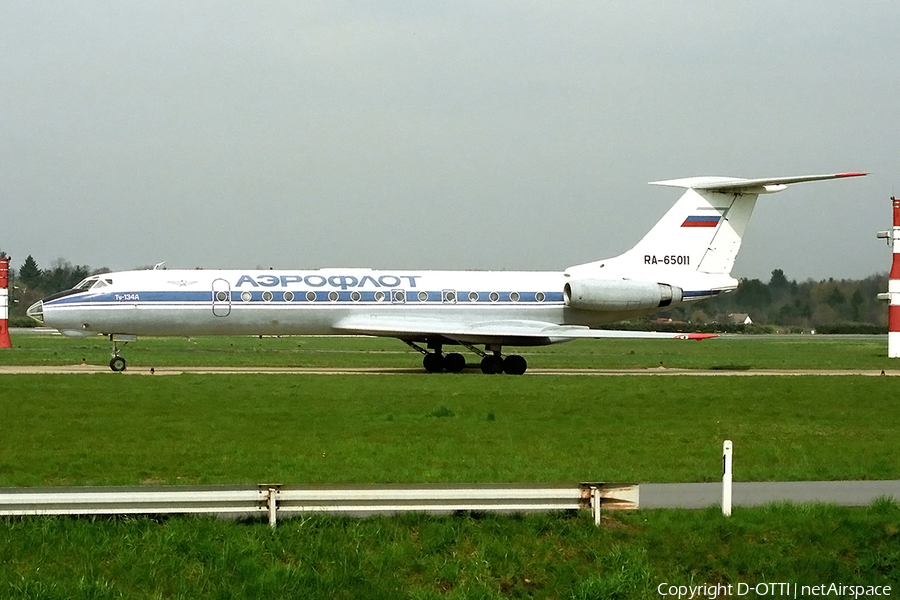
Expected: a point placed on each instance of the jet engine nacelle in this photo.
(620, 295)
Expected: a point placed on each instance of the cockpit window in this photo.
(92, 283)
(86, 284)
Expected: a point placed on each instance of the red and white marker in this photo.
(893, 293)
(4, 304)
(894, 287)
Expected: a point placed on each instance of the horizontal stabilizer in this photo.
(701, 234)
(756, 186)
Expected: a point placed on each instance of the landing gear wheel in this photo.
(514, 364)
(433, 362)
(117, 363)
(491, 365)
(454, 362)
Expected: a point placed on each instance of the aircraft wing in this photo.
(499, 332)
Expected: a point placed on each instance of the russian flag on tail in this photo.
(702, 221)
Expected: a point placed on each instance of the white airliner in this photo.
(687, 256)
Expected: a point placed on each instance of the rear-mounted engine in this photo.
(620, 295)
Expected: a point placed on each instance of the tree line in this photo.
(840, 306)
(825, 306)
(29, 283)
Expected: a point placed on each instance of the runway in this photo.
(701, 495)
(654, 372)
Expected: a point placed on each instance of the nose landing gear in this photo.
(117, 363)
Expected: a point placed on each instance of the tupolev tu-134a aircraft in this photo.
(687, 256)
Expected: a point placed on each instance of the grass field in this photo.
(414, 556)
(203, 429)
(197, 429)
(757, 352)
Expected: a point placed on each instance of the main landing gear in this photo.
(511, 365)
(435, 361)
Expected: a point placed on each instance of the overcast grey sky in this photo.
(433, 135)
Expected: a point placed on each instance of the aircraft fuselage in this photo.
(201, 302)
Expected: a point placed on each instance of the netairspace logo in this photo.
(775, 590)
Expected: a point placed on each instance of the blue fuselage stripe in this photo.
(302, 297)
(319, 297)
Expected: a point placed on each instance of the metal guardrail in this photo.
(277, 500)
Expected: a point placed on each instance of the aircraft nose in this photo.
(36, 311)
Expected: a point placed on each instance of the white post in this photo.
(272, 507)
(596, 502)
(726, 477)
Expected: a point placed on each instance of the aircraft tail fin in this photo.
(702, 232)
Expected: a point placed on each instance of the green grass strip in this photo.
(742, 352)
(416, 556)
(109, 429)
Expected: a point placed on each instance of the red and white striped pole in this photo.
(4, 303)
(893, 293)
(894, 287)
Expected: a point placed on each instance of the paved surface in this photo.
(82, 369)
(701, 495)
